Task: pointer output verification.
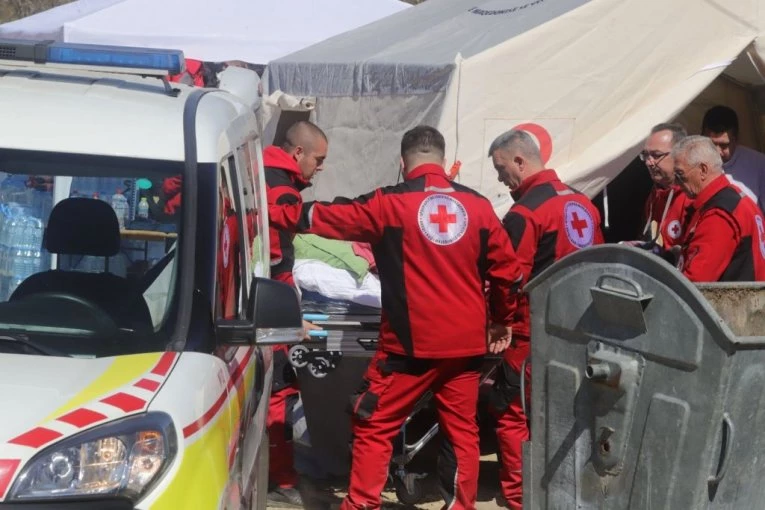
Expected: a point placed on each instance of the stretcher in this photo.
(355, 335)
(342, 335)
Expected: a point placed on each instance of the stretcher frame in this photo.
(356, 336)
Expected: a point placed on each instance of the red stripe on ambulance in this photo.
(8, 469)
(147, 384)
(164, 364)
(36, 437)
(125, 402)
(82, 418)
(237, 371)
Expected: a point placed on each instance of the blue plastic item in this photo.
(315, 317)
(171, 61)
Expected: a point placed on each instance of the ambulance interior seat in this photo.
(88, 227)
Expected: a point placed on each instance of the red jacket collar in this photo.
(426, 169)
(678, 190)
(717, 184)
(658, 191)
(537, 179)
(276, 157)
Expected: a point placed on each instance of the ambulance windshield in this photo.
(87, 254)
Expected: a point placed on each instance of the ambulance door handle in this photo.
(728, 432)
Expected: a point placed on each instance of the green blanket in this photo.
(338, 254)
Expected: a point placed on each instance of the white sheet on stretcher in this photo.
(334, 283)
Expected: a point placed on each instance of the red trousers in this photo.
(281, 468)
(391, 388)
(512, 429)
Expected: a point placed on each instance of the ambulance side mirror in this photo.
(274, 318)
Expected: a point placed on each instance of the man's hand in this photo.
(308, 326)
(499, 339)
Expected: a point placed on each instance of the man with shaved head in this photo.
(289, 169)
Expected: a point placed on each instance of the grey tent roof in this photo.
(412, 51)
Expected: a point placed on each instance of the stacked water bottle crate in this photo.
(21, 236)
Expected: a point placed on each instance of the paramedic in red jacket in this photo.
(548, 221)
(665, 206)
(724, 236)
(288, 170)
(435, 243)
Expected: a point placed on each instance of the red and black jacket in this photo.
(435, 243)
(284, 182)
(666, 207)
(725, 236)
(548, 221)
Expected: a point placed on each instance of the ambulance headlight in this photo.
(122, 458)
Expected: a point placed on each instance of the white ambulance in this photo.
(135, 306)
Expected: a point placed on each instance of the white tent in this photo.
(588, 78)
(254, 31)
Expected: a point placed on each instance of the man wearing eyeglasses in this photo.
(665, 204)
(724, 236)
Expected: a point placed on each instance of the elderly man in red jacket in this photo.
(723, 231)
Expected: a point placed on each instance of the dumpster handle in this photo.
(638, 292)
(725, 450)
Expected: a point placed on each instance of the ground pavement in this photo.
(321, 495)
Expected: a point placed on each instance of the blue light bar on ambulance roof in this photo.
(42, 52)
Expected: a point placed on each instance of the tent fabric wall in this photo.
(49, 25)
(594, 78)
(605, 98)
(253, 31)
(368, 155)
(433, 32)
(403, 61)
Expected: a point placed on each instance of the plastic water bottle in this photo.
(35, 229)
(8, 238)
(121, 207)
(17, 258)
(23, 236)
(143, 209)
(4, 221)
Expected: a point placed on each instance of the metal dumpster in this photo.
(645, 393)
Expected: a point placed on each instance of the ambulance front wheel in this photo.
(409, 489)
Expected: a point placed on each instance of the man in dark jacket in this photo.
(289, 169)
